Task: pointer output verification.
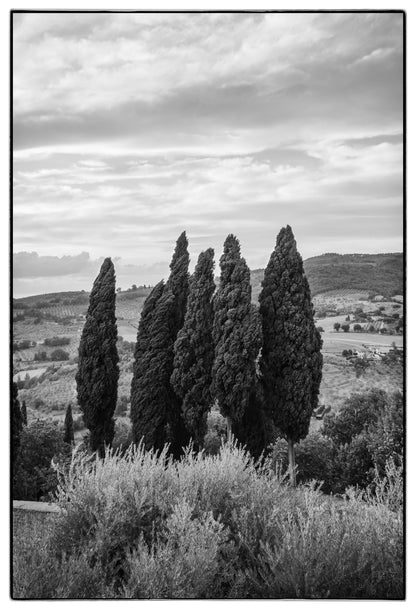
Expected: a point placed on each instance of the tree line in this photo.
(197, 346)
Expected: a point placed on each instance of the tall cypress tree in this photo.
(16, 422)
(150, 383)
(291, 359)
(98, 371)
(237, 337)
(24, 412)
(194, 350)
(178, 286)
(69, 426)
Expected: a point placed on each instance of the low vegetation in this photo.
(144, 526)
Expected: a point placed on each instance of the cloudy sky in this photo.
(130, 128)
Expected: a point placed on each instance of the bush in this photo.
(59, 355)
(355, 414)
(215, 527)
(34, 478)
(367, 434)
(314, 459)
(57, 341)
(216, 432)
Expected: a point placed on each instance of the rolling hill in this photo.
(381, 274)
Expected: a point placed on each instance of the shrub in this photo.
(143, 525)
(34, 478)
(57, 341)
(216, 432)
(356, 413)
(314, 459)
(59, 355)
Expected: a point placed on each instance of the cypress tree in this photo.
(237, 337)
(150, 383)
(155, 407)
(69, 426)
(291, 359)
(194, 350)
(98, 371)
(16, 422)
(24, 412)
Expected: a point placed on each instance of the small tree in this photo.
(337, 326)
(357, 327)
(69, 426)
(345, 328)
(98, 371)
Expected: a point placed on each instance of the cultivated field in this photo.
(57, 388)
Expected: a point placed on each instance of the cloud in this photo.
(129, 128)
(31, 265)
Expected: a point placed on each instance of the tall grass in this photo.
(143, 526)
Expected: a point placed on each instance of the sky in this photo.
(130, 128)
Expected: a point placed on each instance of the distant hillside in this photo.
(381, 274)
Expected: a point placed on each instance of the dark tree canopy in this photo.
(237, 335)
(69, 426)
(150, 386)
(98, 371)
(291, 360)
(16, 422)
(194, 350)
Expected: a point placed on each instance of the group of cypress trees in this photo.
(263, 365)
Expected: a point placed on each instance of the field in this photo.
(339, 379)
(56, 387)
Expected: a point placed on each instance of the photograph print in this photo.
(207, 305)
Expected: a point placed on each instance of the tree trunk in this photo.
(292, 463)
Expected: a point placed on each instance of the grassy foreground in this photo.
(141, 526)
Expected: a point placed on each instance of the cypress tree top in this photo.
(291, 361)
(178, 281)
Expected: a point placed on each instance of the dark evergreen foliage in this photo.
(178, 285)
(98, 371)
(194, 350)
(291, 360)
(150, 383)
(255, 431)
(16, 425)
(23, 411)
(69, 426)
(237, 336)
(155, 407)
(178, 281)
